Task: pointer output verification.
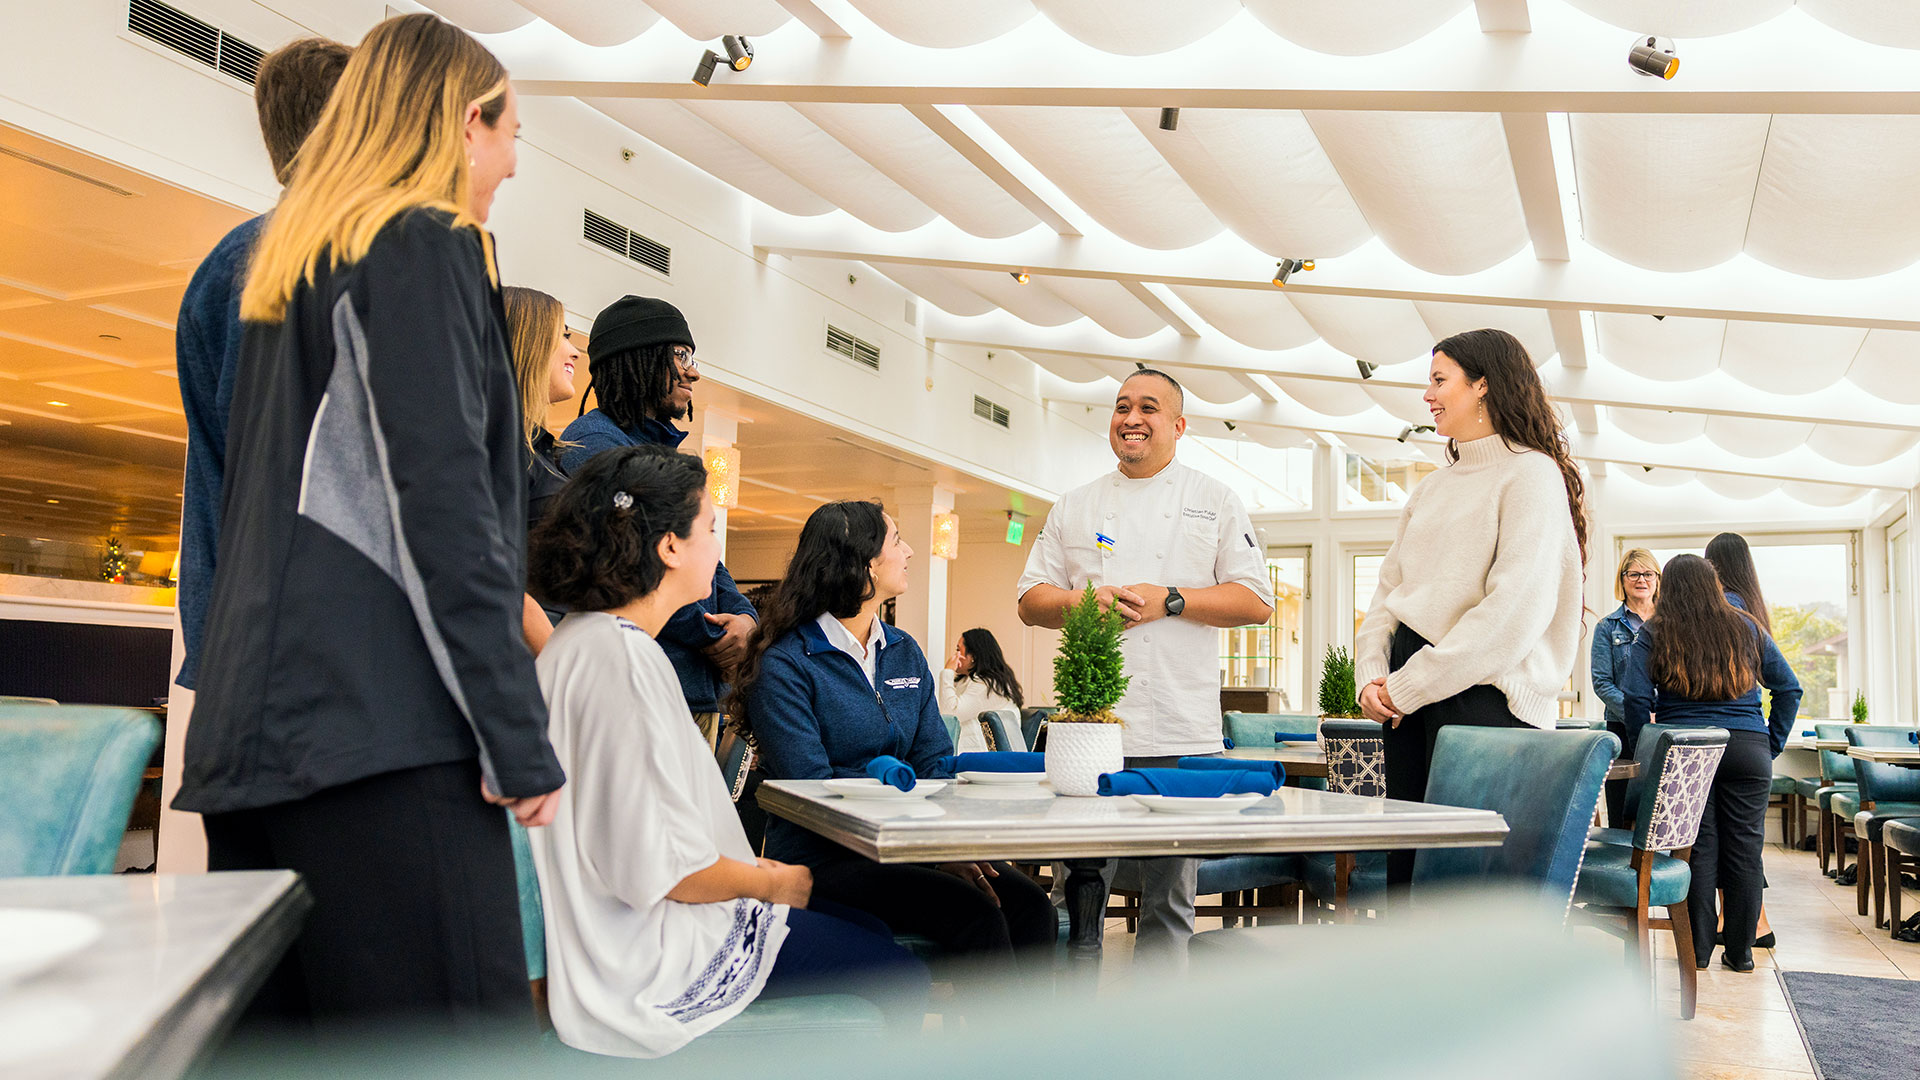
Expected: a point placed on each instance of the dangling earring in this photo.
(1483, 412)
(471, 163)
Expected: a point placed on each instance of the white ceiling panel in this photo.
(707, 20)
(893, 141)
(681, 133)
(1861, 446)
(1376, 26)
(1077, 369)
(1789, 358)
(1823, 494)
(1032, 301)
(946, 26)
(1109, 169)
(1377, 331)
(1888, 366)
(1752, 438)
(937, 288)
(1138, 27)
(1882, 22)
(1530, 325)
(1218, 387)
(1660, 477)
(1106, 302)
(1672, 349)
(1326, 397)
(1683, 18)
(1667, 192)
(483, 16)
(1835, 196)
(1657, 425)
(1256, 318)
(1438, 188)
(1734, 486)
(1403, 403)
(595, 22)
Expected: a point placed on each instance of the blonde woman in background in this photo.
(543, 364)
(1636, 585)
(364, 690)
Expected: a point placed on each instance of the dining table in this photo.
(968, 822)
(1306, 759)
(1908, 756)
(176, 957)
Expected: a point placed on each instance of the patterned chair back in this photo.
(1883, 783)
(1676, 775)
(1835, 768)
(1356, 757)
(1002, 729)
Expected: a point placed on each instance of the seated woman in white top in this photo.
(975, 680)
(661, 923)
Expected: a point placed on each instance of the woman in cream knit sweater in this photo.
(1477, 618)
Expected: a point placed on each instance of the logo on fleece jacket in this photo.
(905, 682)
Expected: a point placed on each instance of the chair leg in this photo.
(1878, 851)
(1838, 830)
(1342, 874)
(1683, 945)
(1820, 844)
(1786, 819)
(1895, 863)
(1862, 879)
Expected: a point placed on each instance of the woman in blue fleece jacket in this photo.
(826, 688)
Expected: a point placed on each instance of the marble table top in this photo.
(1301, 759)
(974, 821)
(1887, 755)
(180, 954)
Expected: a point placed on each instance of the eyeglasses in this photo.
(1640, 575)
(683, 359)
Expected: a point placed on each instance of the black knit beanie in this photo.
(633, 321)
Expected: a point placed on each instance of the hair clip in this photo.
(622, 501)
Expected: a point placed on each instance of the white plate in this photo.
(1004, 777)
(866, 787)
(1174, 804)
(32, 940)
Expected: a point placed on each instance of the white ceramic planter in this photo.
(1078, 753)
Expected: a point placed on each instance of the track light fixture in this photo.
(1366, 369)
(1650, 57)
(1411, 429)
(1169, 119)
(1659, 318)
(739, 58)
(1286, 268)
(1020, 276)
(1646, 468)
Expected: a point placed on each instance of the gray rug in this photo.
(1856, 1028)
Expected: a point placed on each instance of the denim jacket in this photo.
(1612, 641)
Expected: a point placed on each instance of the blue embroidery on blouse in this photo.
(734, 967)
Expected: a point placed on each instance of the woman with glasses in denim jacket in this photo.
(1636, 584)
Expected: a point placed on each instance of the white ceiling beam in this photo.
(1604, 385)
(1531, 150)
(1740, 288)
(1161, 306)
(813, 18)
(1568, 62)
(1569, 336)
(963, 131)
(1503, 16)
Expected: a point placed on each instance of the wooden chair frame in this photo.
(1636, 928)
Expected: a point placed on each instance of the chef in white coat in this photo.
(1174, 552)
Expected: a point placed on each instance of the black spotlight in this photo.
(1019, 276)
(1366, 369)
(1169, 119)
(1649, 57)
(739, 52)
(1285, 268)
(1659, 318)
(1411, 429)
(703, 74)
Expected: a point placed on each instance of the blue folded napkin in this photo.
(891, 770)
(1186, 783)
(1225, 764)
(1914, 737)
(1229, 743)
(1296, 736)
(994, 761)
(1807, 734)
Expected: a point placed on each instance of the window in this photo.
(1380, 484)
(1808, 582)
(1366, 578)
(1274, 655)
(1900, 594)
(1269, 480)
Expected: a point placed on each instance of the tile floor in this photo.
(1741, 1029)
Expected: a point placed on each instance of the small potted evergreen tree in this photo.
(1339, 697)
(1083, 738)
(1859, 706)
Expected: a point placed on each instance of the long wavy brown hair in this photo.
(1518, 408)
(1703, 647)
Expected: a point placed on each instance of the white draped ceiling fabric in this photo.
(1716, 275)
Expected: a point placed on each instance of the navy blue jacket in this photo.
(206, 347)
(1612, 640)
(815, 717)
(688, 633)
(1740, 714)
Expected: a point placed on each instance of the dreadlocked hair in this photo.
(631, 385)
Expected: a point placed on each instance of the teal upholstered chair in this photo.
(1620, 881)
(1836, 778)
(1356, 765)
(1786, 789)
(953, 729)
(816, 1015)
(1886, 792)
(1544, 783)
(1579, 724)
(1259, 728)
(1901, 836)
(1003, 725)
(10, 699)
(71, 774)
(1032, 722)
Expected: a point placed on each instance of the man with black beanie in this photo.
(641, 370)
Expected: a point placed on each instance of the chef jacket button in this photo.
(1166, 513)
(1156, 555)
(1109, 515)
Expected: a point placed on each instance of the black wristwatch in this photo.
(1175, 602)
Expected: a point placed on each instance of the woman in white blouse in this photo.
(661, 923)
(976, 680)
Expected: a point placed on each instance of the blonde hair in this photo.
(390, 140)
(1634, 557)
(535, 322)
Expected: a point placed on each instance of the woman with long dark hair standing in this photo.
(1700, 661)
(827, 687)
(977, 679)
(364, 689)
(1732, 560)
(1476, 619)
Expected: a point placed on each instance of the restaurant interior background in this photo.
(916, 285)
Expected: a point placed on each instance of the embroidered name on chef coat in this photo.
(905, 682)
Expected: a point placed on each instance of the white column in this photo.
(182, 843)
(922, 611)
(714, 427)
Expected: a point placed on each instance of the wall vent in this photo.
(191, 37)
(991, 411)
(860, 352)
(622, 241)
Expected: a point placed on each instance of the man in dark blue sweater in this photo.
(640, 360)
(289, 92)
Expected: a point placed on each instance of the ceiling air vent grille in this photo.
(623, 241)
(189, 36)
(860, 352)
(991, 411)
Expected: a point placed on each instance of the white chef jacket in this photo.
(1178, 527)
